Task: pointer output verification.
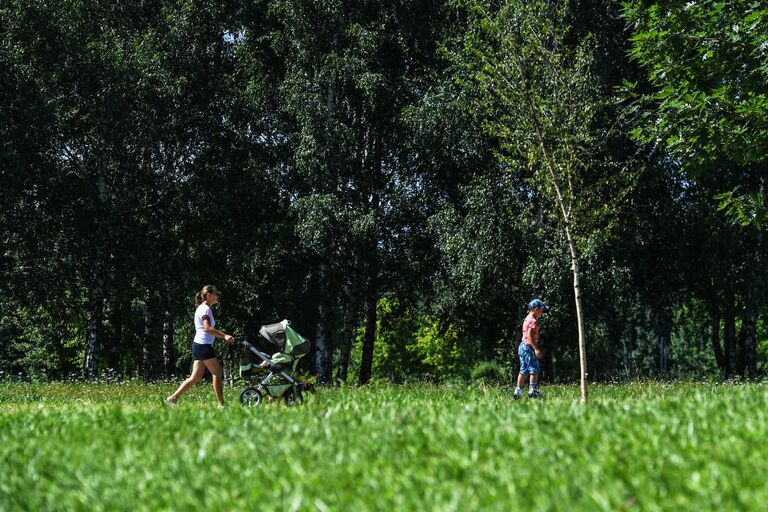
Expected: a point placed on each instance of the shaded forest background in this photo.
(353, 166)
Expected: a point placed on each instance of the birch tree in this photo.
(537, 95)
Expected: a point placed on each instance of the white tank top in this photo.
(202, 337)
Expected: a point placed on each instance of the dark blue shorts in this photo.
(202, 352)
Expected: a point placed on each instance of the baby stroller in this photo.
(277, 383)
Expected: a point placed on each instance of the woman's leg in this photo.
(198, 369)
(215, 368)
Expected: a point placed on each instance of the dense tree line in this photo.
(397, 178)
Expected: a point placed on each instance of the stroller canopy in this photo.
(289, 341)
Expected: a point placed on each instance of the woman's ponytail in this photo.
(200, 296)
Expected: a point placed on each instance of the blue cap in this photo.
(538, 303)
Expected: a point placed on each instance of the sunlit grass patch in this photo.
(643, 446)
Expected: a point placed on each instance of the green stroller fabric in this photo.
(287, 340)
(292, 347)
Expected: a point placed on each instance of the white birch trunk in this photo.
(95, 330)
(146, 344)
(346, 344)
(579, 315)
(322, 356)
(169, 356)
(96, 319)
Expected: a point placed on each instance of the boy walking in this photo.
(529, 351)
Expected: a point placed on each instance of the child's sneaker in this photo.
(170, 402)
(536, 395)
(518, 393)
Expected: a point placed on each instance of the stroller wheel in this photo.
(250, 397)
(292, 399)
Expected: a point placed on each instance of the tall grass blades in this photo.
(635, 447)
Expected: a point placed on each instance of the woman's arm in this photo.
(215, 332)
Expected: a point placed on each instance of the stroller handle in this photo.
(261, 355)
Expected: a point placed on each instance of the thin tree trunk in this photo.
(366, 362)
(115, 329)
(566, 213)
(96, 319)
(630, 350)
(323, 341)
(729, 319)
(169, 352)
(353, 295)
(741, 351)
(146, 344)
(323, 366)
(346, 343)
(371, 299)
(579, 314)
(95, 331)
(747, 336)
(576, 287)
(664, 331)
(715, 317)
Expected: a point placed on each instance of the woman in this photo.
(202, 346)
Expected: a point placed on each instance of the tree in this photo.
(136, 118)
(349, 72)
(704, 96)
(540, 98)
(704, 101)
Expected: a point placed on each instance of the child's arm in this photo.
(532, 341)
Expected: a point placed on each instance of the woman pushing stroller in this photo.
(202, 346)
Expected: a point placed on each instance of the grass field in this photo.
(634, 447)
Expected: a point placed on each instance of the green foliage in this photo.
(762, 344)
(37, 344)
(444, 350)
(744, 209)
(707, 64)
(395, 330)
(484, 241)
(706, 98)
(540, 98)
(489, 372)
(411, 347)
(305, 155)
(114, 447)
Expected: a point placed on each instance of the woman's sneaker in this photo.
(536, 395)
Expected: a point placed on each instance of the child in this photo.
(529, 350)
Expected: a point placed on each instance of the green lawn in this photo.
(635, 447)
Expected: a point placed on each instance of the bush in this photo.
(488, 372)
(443, 350)
(411, 347)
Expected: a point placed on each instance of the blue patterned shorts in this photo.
(529, 365)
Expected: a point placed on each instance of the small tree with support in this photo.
(539, 99)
